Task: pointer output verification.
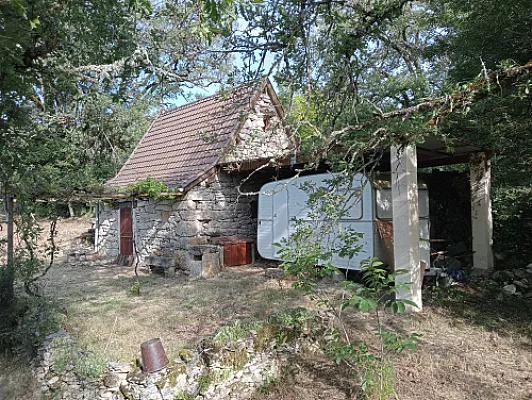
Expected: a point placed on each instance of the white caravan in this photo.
(282, 201)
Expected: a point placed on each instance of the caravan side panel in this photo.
(280, 202)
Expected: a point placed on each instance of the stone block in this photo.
(193, 228)
(210, 265)
(194, 267)
(178, 205)
(204, 194)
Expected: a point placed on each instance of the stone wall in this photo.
(164, 227)
(262, 136)
(107, 234)
(222, 367)
(55, 369)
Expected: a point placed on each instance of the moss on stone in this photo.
(266, 336)
(161, 380)
(186, 355)
(235, 359)
(221, 375)
(174, 374)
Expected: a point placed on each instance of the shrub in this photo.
(30, 320)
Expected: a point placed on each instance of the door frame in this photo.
(129, 205)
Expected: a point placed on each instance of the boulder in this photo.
(522, 284)
(509, 289)
(520, 273)
(507, 274)
(496, 276)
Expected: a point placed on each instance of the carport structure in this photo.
(404, 164)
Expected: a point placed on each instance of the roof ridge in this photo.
(212, 96)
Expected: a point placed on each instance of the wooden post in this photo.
(406, 223)
(481, 219)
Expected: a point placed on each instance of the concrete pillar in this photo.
(481, 219)
(406, 223)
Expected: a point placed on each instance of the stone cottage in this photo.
(203, 152)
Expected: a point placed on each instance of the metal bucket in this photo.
(153, 355)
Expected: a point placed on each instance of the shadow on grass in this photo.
(478, 305)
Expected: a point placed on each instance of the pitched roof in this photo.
(186, 142)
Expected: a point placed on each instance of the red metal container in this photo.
(237, 251)
(153, 355)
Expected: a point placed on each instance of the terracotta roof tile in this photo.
(183, 143)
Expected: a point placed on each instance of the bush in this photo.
(28, 323)
(512, 226)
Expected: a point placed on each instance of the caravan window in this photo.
(355, 204)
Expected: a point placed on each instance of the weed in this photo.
(478, 306)
(183, 396)
(63, 354)
(86, 365)
(291, 318)
(378, 381)
(234, 332)
(268, 385)
(204, 381)
(306, 248)
(89, 366)
(186, 355)
(35, 318)
(134, 289)
(17, 380)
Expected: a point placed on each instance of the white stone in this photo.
(509, 289)
(53, 380)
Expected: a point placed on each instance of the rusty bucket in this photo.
(153, 355)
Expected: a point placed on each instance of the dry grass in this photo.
(457, 358)
(68, 236)
(106, 317)
(472, 347)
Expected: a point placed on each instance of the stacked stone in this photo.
(60, 384)
(118, 372)
(516, 282)
(262, 136)
(108, 235)
(206, 374)
(231, 370)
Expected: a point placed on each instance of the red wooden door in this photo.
(126, 232)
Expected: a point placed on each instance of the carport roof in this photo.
(434, 152)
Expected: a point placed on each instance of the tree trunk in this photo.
(7, 280)
(71, 210)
